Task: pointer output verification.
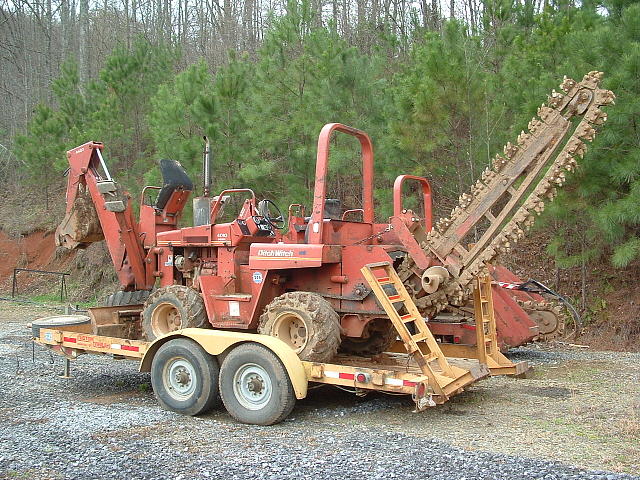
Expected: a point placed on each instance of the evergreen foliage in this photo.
(440, 110)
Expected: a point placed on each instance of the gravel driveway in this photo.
(577, 417)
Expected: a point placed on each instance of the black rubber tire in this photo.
(205, 370)
(136, 297)
(380, 337)
(321, 321)
(186, 301)
(278, 404)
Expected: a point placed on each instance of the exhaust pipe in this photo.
(202, 205)
(206, 162)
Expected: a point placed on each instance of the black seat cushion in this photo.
(174, 177)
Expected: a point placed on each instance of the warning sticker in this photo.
(234, 309)
(257, 277)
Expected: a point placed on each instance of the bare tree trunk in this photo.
(83, 52)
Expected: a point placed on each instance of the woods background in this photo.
(439, 86)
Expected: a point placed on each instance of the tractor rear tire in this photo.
(306, 322)
(379, 336)
(172, 308)
(121, 298)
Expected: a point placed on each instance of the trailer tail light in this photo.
(456, 339)
(421, 389)
(363, 377)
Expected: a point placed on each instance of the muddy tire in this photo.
(379, 335)
(172, 308)
(137, 297)
(306, 322)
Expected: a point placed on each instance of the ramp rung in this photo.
(408, 318)
(419, 337)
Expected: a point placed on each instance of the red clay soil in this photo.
(35, 250)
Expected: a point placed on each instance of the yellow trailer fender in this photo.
(217, 342)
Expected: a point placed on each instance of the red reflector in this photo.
(421, 390)
(361, 377)
(69, 339)
(456, 339)
(131, 348)
(346, 376)
(408, 383)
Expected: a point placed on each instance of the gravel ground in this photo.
(577, 417)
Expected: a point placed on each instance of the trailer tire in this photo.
(381, 334)
(306, 322)
(185, 377)
(254, 385)
(172, 308)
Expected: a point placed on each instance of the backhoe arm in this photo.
(97, 208)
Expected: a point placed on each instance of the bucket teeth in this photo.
(567, 84)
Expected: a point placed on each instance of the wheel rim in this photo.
(179, 378)
(165, 318)
(291, 329)
(252, 386)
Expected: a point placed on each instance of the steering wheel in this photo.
(278, 221)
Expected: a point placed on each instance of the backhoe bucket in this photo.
(80, 225)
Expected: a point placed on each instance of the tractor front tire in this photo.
(172, 308)
(306, 322)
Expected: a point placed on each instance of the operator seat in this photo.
(174, 177)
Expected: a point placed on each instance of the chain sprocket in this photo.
(549, 316)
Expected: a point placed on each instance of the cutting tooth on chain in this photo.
(567, 84)
(592, 79)
(575, 147)
(534, 126)
(585, 131)
(545, 113)
(595, 116)
(523, 138)
(604, 97)
(465, 200)
(487, 175)
(555, 99)
(499, 162)
(510, 150)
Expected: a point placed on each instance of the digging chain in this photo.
(510, 195)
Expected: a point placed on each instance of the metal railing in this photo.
(62, 275)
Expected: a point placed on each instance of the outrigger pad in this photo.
(174, 177)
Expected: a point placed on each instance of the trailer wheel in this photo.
(379, 335)
(306, 322)
(255, 387)
(185, 377)
(172, 308)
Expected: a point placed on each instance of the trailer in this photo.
(259, 377)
